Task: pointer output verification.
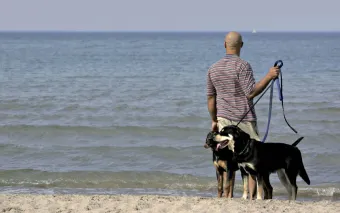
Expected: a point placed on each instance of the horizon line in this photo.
(168, 31)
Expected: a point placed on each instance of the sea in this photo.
(126, 113)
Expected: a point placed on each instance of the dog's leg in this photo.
(268, 189)
(229, 183)
(259, 187)
(220, 183)
(228, 177)
(265, 189)
(219, 177)
(226, 184)
(292, 175)
(285, 182)
(232, 183)
(244, 176)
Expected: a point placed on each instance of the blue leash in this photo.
(278, 63)
(271, 98)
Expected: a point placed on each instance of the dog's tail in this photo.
(297, 141)
(302, 171)
(303, 174)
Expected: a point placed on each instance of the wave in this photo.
(156, 130)
(120, 148)
(94, 179)
(75, 127)
(137, 181)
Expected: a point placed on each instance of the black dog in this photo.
(262, 159)
(225, 166)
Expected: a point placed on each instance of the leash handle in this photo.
(279, 64)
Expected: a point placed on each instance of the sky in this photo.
(170, 15)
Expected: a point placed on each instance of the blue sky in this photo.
(170, 15)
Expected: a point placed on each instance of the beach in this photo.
(155, 203)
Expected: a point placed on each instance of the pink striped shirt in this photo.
(231, 80)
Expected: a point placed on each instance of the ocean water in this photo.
(125, 113)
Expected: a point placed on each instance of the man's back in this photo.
(231, 80)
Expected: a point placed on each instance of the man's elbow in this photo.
(250, 96)
(211, 97)
(211, 100)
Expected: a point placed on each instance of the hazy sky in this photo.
(170, 15)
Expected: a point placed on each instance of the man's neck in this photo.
(232, 52)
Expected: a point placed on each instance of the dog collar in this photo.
(246, 149)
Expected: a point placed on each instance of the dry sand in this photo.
(154, 203)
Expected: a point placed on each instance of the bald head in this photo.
(233, 40)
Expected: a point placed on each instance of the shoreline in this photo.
(154, 203)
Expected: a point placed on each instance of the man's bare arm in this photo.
(212, 107)
(263, 83)
(259, 87)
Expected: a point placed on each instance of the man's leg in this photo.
(252, 186)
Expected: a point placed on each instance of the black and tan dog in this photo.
(262, 159)
(225, 166)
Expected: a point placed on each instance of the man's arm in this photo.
(211, 98)
(259, 87)
(263, 83)
(247, 81)
(212, 107)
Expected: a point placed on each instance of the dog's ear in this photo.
(230, 129)
(225, 131)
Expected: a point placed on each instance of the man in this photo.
(231, 88)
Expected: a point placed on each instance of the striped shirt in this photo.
(231, 79)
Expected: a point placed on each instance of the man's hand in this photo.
(214, 127)
(273, 73)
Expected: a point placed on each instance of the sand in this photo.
(154, 203)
